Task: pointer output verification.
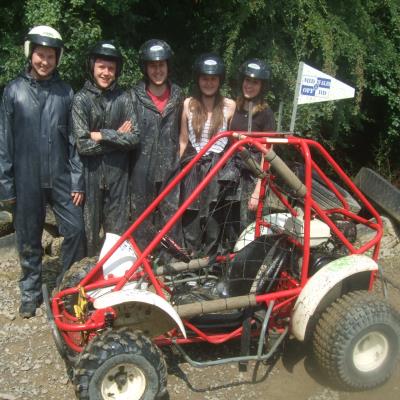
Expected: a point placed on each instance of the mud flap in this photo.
(320, 284)
(141, 310)
(382, 193)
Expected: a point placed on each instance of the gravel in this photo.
(31, 368)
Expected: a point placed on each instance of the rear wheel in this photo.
(356, 340)
(120, 365)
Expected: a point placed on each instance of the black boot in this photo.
(27, 309)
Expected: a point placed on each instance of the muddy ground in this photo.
(30, 367)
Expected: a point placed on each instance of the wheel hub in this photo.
(120, 379)
(123, 382)
(370, 351)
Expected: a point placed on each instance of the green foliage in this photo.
(42, 12)
(358, 42)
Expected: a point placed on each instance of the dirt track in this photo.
(30, 367)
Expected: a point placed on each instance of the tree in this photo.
(356, 42)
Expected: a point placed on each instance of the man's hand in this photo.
(96, 136)
(125, 127)
(77, 198)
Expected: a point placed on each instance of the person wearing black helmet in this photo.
(204, 115)
(254, 76)
(105, 128)
(39, 164)
(158, 104)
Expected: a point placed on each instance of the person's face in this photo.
(157, 72)
(44, 62)
(104, 72)
(209, 84)
(251, 87)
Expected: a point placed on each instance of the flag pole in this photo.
(280, 111)
(296, 96)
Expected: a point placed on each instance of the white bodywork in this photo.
(120, 261)
(134, 305)
(285, 222)
(321, 283)
(142, 310)
(319, 230)
(277, 220)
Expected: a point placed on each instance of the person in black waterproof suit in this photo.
(105, 129)
(39, 163)
(158, 104)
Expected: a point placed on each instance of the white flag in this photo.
(315, 86)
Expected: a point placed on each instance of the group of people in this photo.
(100, 157)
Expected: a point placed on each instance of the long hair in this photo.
(199, 115)
(259, 103)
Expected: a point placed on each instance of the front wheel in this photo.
(120, 365)
(357, 341)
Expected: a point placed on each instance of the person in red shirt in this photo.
(158, 104)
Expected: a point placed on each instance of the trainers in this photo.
(27, 310)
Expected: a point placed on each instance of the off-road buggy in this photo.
(299, 270)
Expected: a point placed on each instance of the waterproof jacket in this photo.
(157, 153)
(36, 147)
(103, 111)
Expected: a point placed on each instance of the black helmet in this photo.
(106, 50)
(209, 64)
(43, 36)
(154, 50)
(255, 68)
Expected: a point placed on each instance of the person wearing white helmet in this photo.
(39, 164)
(105, 128)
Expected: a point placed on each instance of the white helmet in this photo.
(43, 36)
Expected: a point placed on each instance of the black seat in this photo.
(238, 280)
